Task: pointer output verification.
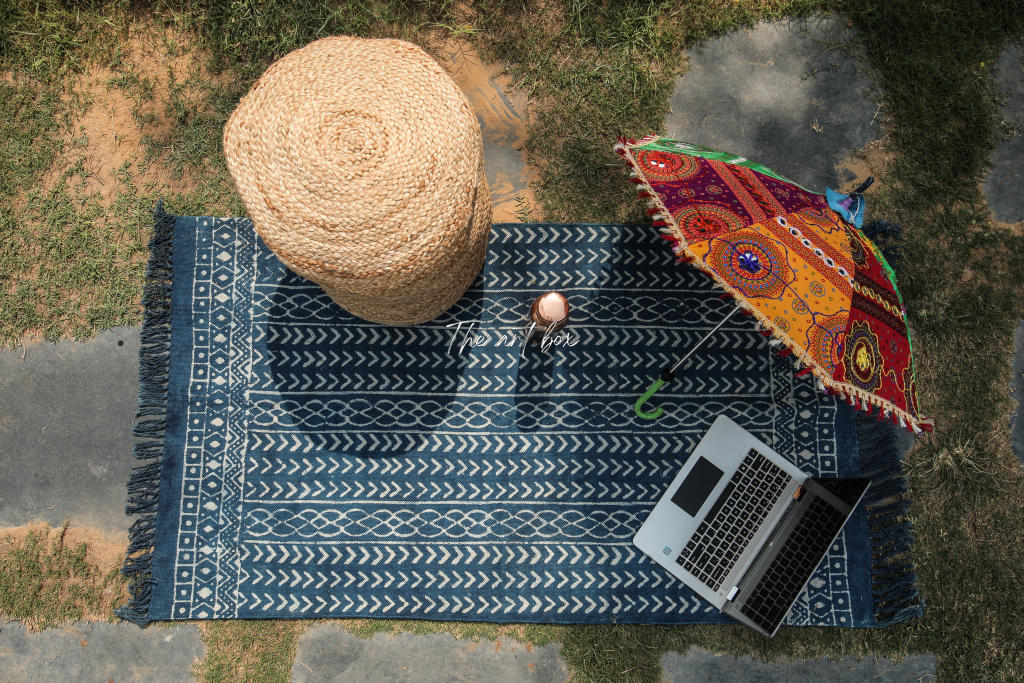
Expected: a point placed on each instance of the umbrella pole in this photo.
(668, 374)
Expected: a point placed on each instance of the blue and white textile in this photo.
(305, 463)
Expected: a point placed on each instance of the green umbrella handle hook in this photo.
(638, 407)
(668, 374)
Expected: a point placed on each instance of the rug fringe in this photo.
(893, 578)
(154, 365)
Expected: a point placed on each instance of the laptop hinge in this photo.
(732, 593)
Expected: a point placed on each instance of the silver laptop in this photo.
(744, 527)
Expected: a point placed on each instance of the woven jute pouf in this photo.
(361, 165)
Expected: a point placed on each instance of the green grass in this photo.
(30, 118)
(45, 582)
(249, 650)
(66, 268)
(593, 71)
(934, 69)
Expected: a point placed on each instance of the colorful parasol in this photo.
(811, 278)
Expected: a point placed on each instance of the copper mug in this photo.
(548, 314)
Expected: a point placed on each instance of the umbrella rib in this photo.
(706, 337)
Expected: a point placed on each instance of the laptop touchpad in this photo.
(697, 486)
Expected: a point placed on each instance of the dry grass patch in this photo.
(51, 576)
(528, 634)
(129, 111)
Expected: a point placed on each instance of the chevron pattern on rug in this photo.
(316, 465)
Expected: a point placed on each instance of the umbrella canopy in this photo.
(811, 279)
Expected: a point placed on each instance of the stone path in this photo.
(1006, 178)
(66, 409)
(1003, 192)
(99, 652)
(774, 95)
(330, 653)
(66, 413)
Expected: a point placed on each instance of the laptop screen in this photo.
(847, 490)
(697, 486)
(777, 578)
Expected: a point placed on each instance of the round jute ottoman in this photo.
(361, 165)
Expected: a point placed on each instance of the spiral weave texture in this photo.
(361, 164)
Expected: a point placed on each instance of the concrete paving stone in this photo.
(1003, 184)
(66, 412)
(708, 667)
(1017, 421)
(776, 95)
(99, 652)
(330, 653)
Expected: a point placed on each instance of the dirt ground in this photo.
(502, 113)
(871, 160)
(104, 551)
(127, 108)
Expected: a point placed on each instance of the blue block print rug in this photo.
(300, 462)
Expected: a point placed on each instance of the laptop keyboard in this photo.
(770, 599)
(736, 516)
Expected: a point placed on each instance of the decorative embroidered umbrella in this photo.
(810, 277)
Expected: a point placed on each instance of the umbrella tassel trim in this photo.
(866, 403)
(658, 211)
